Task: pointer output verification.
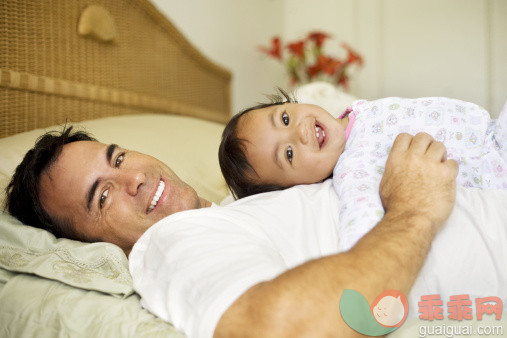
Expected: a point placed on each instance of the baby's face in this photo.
(292, 143)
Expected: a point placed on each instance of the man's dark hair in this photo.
(235, 167)
(23, 198)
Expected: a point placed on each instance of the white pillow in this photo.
(325, 95)
(90, 266)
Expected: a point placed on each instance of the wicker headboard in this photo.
(64, 60)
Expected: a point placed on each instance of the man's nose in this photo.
(132, 180)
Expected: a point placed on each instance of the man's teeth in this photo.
(160, 189)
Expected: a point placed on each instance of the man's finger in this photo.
(437, 151)
(421, 143)
(402, 142)
(453, 167)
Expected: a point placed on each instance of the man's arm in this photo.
(418, 191)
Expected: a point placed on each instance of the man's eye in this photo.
(289, 154)
(285, 119)
(119, 160)
(103, 198)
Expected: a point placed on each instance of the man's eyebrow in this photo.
(109, 155)
(91, 193)
(110, 151)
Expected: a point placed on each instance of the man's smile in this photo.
(156, 196)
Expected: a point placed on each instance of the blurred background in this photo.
(410, 48)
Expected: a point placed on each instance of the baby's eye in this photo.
(119, 160)
(289, 154)
(103, 198)
(285, 119)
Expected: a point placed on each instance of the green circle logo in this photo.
(387, 312)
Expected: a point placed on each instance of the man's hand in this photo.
(418, 192)
(419, 179)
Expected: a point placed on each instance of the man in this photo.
(102, 192)
(85, 190)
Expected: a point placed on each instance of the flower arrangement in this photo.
(306, 61)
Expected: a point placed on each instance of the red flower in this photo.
(297, 48)
(294, 80)
(313, 71)
(275, 50)
(324, 64)
(343, 80)
(352, 56)
(318, 38)
(306, 59)
(329, 65)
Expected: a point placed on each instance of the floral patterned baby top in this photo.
(471, 137)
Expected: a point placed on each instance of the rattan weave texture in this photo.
(49, 74)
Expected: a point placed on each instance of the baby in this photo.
(283, 143)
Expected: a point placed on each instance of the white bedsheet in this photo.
(191, 266)
(469, 254)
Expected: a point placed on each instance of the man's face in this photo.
(112, 194)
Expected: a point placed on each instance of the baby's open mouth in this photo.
(320, 134)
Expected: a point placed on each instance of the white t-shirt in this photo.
(190, 267)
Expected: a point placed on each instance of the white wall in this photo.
(497, 12)
(229, 32)
(412, 48)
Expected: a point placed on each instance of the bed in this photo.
(121, 71)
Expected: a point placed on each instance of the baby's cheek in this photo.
(327, 167)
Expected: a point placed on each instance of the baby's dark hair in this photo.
(235, 167)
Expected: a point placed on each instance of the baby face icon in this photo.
(386, 314)
(390, 308)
